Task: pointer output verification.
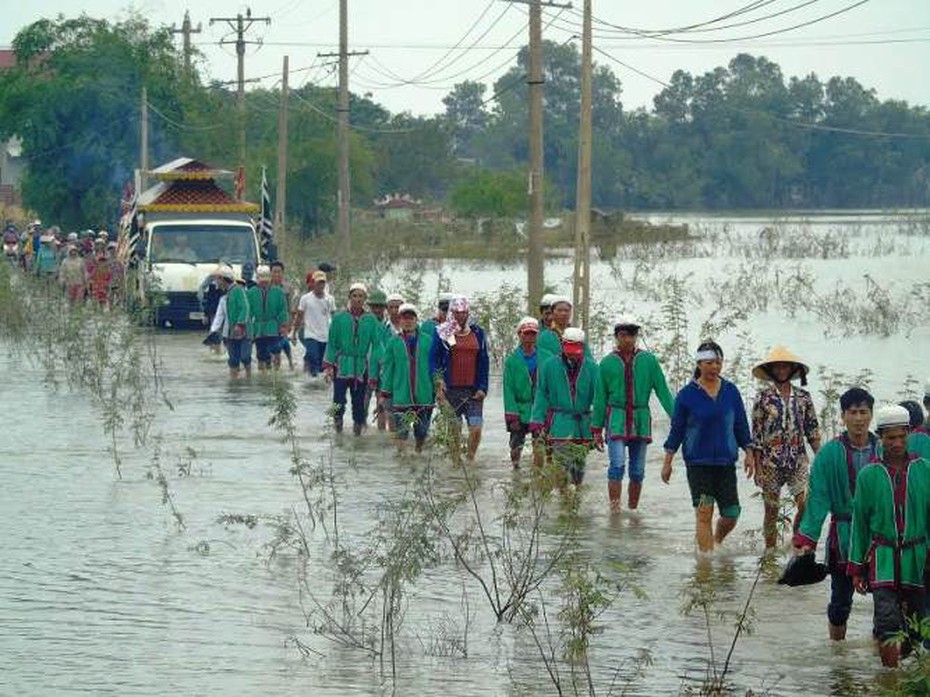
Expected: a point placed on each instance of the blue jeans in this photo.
(239, 351)
(313, 355)
(617, 451)
(356, 390)
(841, 598)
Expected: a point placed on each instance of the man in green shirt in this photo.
(888, 543)
(270, 317)
(628, 377)
(352, 334)
(239, 322)
(830, 491)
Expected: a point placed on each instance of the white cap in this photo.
(626, 321)
(573, 335)
(556, 299)
(891, 416)
(263, 271)
(546, 300)
(359, 286)
(528, 322)
(407, 307)
(224, 271)
(72, 235)
(395, 298)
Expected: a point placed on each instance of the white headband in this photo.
(707, 355)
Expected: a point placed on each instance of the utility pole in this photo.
(535, 260)
(343, 195)
(144, 138)
(582, 290)
(281, 189)
(240, 25)
(186, 32)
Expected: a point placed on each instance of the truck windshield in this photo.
(202, 244)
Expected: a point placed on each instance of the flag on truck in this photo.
(266, 226)
(128, 239)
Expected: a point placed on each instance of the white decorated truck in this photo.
(177, 233)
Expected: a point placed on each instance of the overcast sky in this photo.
(884, 44)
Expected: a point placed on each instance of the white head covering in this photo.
(528, 323)
(627, 321)
(407, 307)
(546, 300)
(890, 416)
(263, 271)
(359, 286)
(573, 335)
(556, 299)
(395, 298)
(224, 271)
(445, 297)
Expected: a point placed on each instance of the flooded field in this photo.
(255, 587)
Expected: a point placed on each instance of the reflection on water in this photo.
(100, 593)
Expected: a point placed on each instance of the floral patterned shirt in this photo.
(780, 426)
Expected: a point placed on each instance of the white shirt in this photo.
(318, 313)
(219, 319)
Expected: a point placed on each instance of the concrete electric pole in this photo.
(281, 189)
(240, 24)
(582, 293)
(186, 30)
(344, 192)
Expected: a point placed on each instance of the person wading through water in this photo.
(405, 380)
(562, 407)
(270, 318)
(348, 347)
(628, 376)
(888, 541)
(459, 366)
(830, 491)
(519, 382)
(783, 419)
(710, 420)
(239, 322)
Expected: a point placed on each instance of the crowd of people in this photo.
(379, 350)
(84, 265)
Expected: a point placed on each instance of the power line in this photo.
(760, 35)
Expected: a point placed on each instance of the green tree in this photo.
(73, 99)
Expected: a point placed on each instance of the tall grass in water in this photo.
(99, 351)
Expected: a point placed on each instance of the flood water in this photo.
(102, 593)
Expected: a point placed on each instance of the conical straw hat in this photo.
(779, 354)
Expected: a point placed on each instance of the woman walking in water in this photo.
(710, 421)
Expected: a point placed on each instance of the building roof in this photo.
(191, 196)
(187, 168)
(7, 58)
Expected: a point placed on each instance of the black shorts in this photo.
(893, 609)
(518, 437)
(714, 483)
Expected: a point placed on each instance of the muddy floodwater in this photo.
(101, 592)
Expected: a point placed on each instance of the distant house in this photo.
(397, 207)
(11, 151)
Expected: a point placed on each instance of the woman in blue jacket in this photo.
(710, 421)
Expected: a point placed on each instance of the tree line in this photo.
(740, 136)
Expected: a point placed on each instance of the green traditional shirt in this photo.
(348, 346)
(622, 400)
(237, 310)
(378, 347)
(519, 388)
(405, 373)
(830, 490)
(563, 401)
(269, 310)
(891, 510)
